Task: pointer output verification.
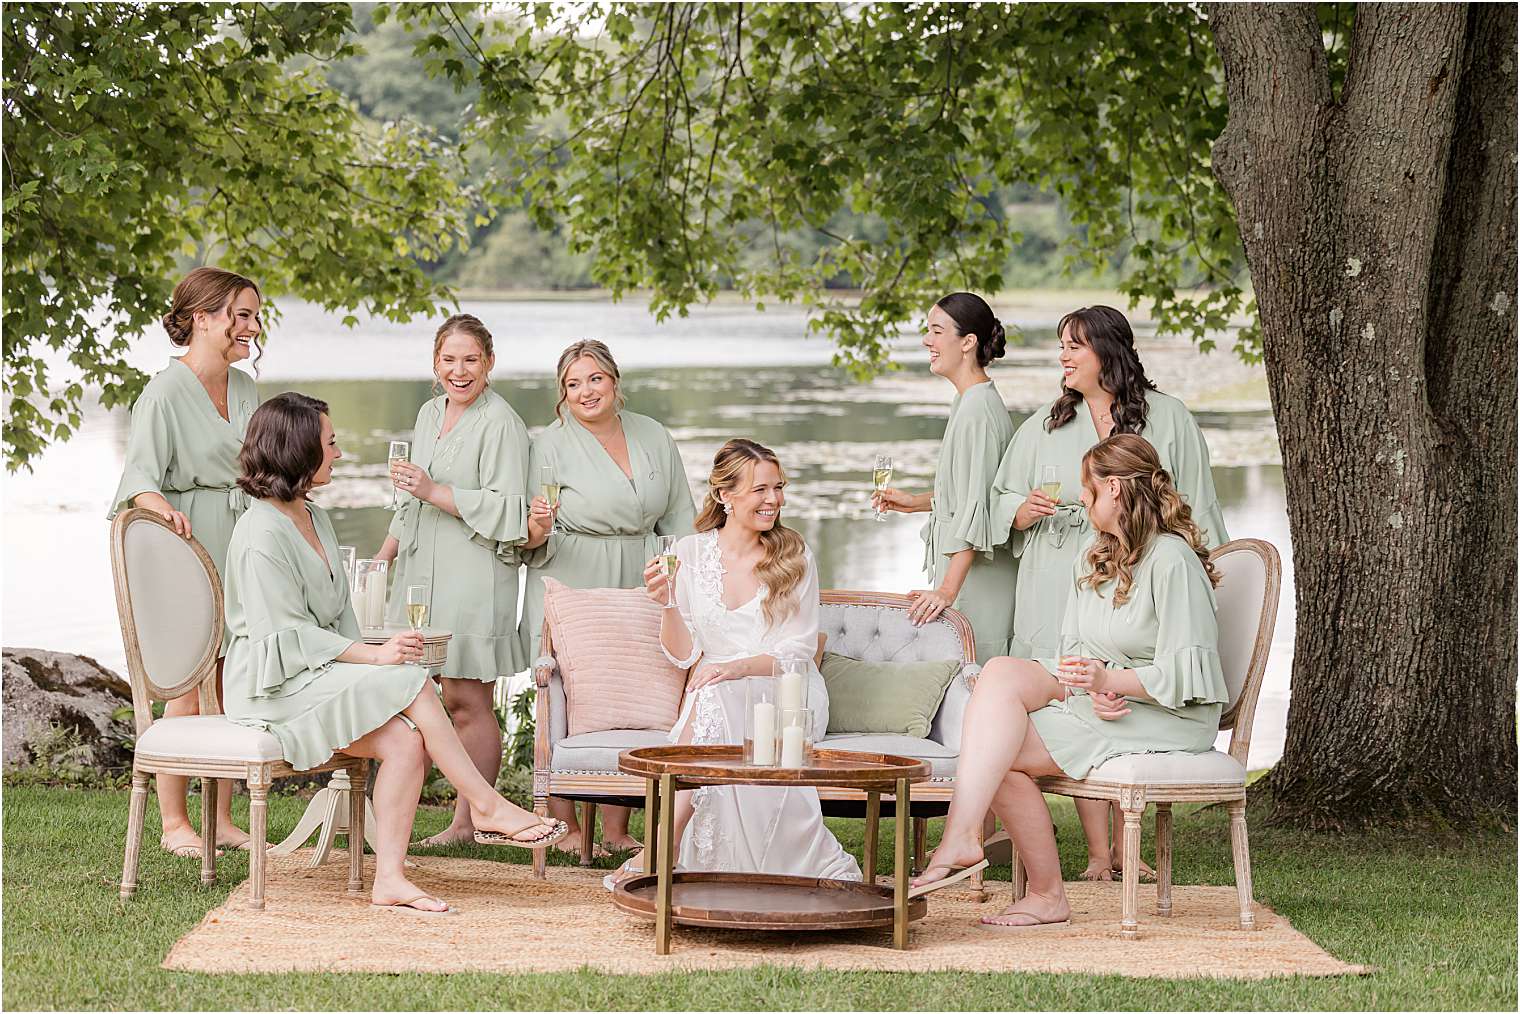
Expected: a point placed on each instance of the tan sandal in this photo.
(409, 906)
(955, 875)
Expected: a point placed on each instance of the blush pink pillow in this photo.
(607, 644)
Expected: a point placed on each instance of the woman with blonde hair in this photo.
(460, 531)
(1141, 607)
(746, 598)
(181, 463)
(621, 485)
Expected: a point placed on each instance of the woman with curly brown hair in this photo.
(298, 668)
(1147, 679)
(746, 598)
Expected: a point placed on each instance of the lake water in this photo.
(725, 371)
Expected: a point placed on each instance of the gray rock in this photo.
(48, 691)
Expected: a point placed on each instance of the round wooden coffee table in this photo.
(764, 901)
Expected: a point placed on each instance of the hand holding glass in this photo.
(1070, 654)
(400, 450)
(550, 487)
(1050, 482)
(668, 565)
(881, 478)
(418, 597)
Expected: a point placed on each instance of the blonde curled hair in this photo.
(1149, 506)
(600, 354)
(465, 324)
(784, 566)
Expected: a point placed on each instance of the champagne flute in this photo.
(400, 450)
(667, 553)
(881, 478)
(418, 598)
(1050, 482)
(1071, 651)
(550, 487)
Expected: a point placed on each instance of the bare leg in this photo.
(1100, 852)
(398, 784)
(489, 810)
(1021, 806)
(615, 829)
(992, 739)
(1147, 875)
(227, 833)
(178, 836)
(469, 707)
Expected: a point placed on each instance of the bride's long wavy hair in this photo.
(1149, 506)
(784, 565)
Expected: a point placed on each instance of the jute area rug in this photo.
(509, 922)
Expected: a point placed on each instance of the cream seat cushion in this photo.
(210, 737)
(1173, 767)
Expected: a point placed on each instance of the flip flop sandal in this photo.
(957, 874)
(557, 830)
(409, 906)
(187, 851)
(986, 924)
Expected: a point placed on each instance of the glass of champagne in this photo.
(1050, 482)
(418, 597)
(1071, 651)
(667, 553)
(550, 486)
(881, 478)
(400, 450)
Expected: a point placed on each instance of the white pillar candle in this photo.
(765, 733)
(791, 746)
(791, 691)
(374, 600)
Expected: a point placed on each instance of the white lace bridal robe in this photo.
(747, 828)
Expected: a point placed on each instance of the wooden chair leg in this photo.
(258, 830)
(1240, 845)
(1019, 875)
(1132, 802)
(1163, 859)
(920, 843)
(358, 777)
(540, 856)
(209, 791)
(873, 834)
(137, 811)
(588, 832)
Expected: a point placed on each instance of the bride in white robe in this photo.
(719, 628)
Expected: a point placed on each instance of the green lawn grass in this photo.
(1436, 916)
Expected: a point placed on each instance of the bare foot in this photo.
(231, 836)
(400, 891)
(1147, 875)
(570, 845)
(1097, 869)
(948, 856)
(450, 835)
(182, 842)
(1031, 911)
(627, 843)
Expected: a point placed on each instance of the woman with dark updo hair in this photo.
(965, 555)
(181, 463)
(298, 668)
(1104, 390)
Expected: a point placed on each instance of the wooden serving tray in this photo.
(763, 901)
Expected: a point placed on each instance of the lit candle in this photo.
(792, 687)
(791, 746)
(765, 733)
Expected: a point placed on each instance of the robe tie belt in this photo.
(1069, 517)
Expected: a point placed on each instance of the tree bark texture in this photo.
(1380, 229)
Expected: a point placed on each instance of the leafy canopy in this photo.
(137, 136)
(694, 128)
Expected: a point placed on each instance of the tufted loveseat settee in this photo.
(871, 626)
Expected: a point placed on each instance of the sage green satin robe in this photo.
(472, 560)
(1168, 634)
(288, 619)
(610, 520)
(977, 433)
(1051, 547)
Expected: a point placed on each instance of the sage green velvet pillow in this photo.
(884, 697)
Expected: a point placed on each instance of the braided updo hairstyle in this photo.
(972, 315)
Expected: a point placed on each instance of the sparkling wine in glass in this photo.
(667, 553)
(1071, 651)
(550, 487)
(400, 451)
(881, 478)
(1050, 482)
(418, 598)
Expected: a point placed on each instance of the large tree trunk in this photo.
(1380, 230)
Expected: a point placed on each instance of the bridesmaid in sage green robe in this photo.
(471, 561)
(1049, 549)
(976, 435)
(179, 445)
(1166, 631)
(608, 521)
(289, 617)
